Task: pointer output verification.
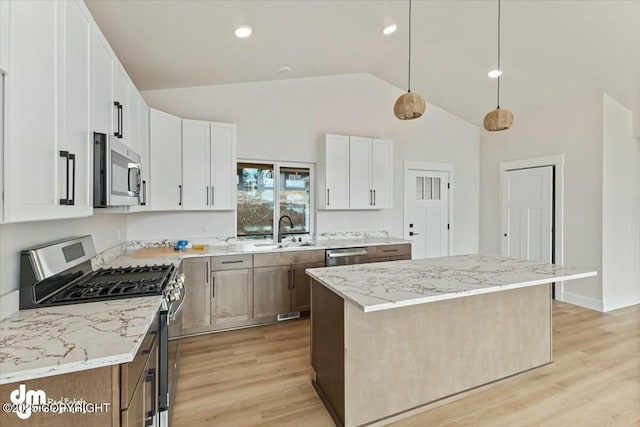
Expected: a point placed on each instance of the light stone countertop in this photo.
(68, 338)
(387, 285)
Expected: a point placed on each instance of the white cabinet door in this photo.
(4, 35)
(134, 119)
(31, 154)
(102, 68)
(382, 173)
(166, 161)
(223, 166)
(334, 194)
(143, 117)
(196, 170)
(47, 113)
(121, 96)
(74, 106)
(360, 190)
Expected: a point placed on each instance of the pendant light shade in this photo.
(500, 118)
(409, 105)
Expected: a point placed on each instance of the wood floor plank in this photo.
(261, 377)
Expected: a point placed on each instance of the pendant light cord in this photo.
(409, 78)
(499, 69)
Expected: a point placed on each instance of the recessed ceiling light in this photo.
(243, 31)
(494, 74)
(389, 29)
(284, 70)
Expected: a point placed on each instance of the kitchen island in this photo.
(392, 339)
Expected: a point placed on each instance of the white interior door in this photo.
(527, 213)
(427, 205)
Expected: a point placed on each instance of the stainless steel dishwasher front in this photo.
(346, 256)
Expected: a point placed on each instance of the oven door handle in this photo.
(172, 314)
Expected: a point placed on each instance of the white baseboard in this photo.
(9, 303)
(611, 307)
(582, 301)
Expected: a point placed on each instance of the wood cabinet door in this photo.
(196, 169)
(271, 291)
(336, 164)
(197, 305)
(382, 173)
(223, 166)
(301, 287)
(231, 296)
(166, 161)
(360, 190)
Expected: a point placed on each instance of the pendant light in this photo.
(409, 105)
(500, 118)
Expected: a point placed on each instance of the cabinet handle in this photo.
(151, 377)
(390, 250)
(144, 193)
(328, 197)
(374, 197)
(117, 132)
(180, 199)
(293, 279)
(121, 111)
(213, 195)
(213, 287)
(370, 197)
(232, 262)
(207, 195)
(66, 200)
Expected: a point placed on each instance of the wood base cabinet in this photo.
(301, 290)
(231, 296)
(272, 291)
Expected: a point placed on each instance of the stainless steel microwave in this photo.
(116, 173)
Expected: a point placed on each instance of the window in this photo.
(259, 186)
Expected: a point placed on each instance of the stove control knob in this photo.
(174, 295)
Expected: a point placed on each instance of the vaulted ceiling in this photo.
(551, 50)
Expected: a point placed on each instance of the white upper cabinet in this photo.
(223, 166)
(208, 165)
(121, 100)
(355, 173)
(196, 164)
(165, 186)
(133, 137)
(47, 166)
(360, 191)
(102, 74)
(5, 6)
(370, 173)
(333, 172)
(382, 173)
(142, 148)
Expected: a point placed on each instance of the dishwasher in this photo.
(346, 256)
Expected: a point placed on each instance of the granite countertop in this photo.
(393, 284)
(68, 338)
(154, 253)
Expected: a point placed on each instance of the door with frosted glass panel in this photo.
(427, 196)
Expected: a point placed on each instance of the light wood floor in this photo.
(261, 377)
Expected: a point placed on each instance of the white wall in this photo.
(108, 230)
(284, 119)
(574, 128)
(620, 212)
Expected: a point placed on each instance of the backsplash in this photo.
(341, 235)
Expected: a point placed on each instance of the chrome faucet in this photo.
(280, 226)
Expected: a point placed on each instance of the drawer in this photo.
(131, 372)
(231, 262)
(403, 249)
(288, 258)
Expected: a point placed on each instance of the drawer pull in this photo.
(233, 262)
(390, 250)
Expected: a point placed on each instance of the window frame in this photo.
(276, 195)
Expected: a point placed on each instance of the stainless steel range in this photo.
(60, 273)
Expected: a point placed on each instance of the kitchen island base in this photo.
(372, 368)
